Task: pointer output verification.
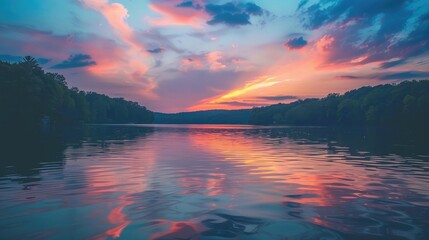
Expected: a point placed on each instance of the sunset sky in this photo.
(179, 55)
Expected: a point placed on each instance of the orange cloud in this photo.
(325, 43)
(302, 73)
(213, 61)
(234, 95)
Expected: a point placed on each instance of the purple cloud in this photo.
(355, 40)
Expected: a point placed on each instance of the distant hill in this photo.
(205, 117)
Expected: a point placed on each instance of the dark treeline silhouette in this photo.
(205, 117)
(404, 105)
(29, 96)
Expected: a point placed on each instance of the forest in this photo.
(29, 96)
(204, 117)
(402, 105)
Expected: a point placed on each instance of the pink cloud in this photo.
(173, 15)
(215, 60)
(212, 61)
(130, 66)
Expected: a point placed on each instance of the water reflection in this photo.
(214, 182)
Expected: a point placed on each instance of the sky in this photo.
(188, 55)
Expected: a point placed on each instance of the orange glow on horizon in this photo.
(303, 73)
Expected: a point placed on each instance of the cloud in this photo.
(296, 43)
(232, 14)
(404, 75)
(348, 77)
(116, 64)
(155, 50)
(43, 60)
(230, 19)
(215, 60)
(253, 9)
(195, 13)
(154, 38)
(75, 61)
(241, 104)
(278, 98)
(192, 86)
(407, 75)
(212, 61)
(390, 64)
(363, 32)
(343, 11)
(232, 95)
(130, 66)
(178, 12)
(189, 4)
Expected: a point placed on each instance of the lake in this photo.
(214, 182)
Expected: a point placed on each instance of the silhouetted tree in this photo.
(27, 94)
(404, 105)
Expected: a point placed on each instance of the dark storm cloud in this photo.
(155, 50)
(278, 98)
(372, 30)
(296, 43)
(75, 61)
(232, 14)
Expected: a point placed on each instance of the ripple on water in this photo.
(211, 182)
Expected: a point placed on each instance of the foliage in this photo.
(402, 105)
(29, 94)
(205, 117)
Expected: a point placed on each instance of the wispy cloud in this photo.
(133, 65)
(278, 98)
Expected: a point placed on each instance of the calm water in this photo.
(214, 182)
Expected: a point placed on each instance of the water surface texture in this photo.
(214, 182)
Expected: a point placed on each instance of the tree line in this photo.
(403, 105)
(204, 117)
(28, 94)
